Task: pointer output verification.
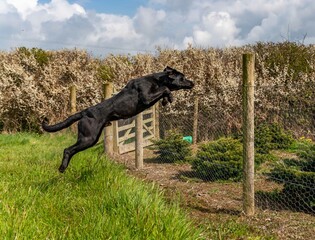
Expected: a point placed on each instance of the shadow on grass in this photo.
(86, 175)
(278, 200)
(189, 176)
(76, 178)
(225, 211)
(194, 176)
(275, 200)
(156, 161)
(44, 186)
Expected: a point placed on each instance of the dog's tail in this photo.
(66, 123)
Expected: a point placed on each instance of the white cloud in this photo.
(268, 24)
(23, 7)
(55, 10)
(216, 28)
(4, 8)
(147, 20)
(60, 10)
(173, 23)
(110, 28)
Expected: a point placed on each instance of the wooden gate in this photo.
(125, 132)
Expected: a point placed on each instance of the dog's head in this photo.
(176, 80)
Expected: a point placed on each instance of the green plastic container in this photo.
(188, 139)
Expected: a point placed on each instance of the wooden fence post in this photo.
(248, 134)
(115, 136)
(73, 102)
(108, 131)
(156, 120)
(195, 126)
(73, 99)
(139, 141)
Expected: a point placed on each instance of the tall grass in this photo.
(94, 199)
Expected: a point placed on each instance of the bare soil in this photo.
(218, 203)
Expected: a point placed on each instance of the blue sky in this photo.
(119, 7)
(122, 26)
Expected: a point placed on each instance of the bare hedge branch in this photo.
(34, 83)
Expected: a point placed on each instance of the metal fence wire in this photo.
(197, 149)
(284, 146)
(198, 142)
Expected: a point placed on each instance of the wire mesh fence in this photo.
(285, 134)
(204, 133)
(284, 146)
(200, 147)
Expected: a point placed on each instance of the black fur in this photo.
(138, 95)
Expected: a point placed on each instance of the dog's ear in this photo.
(168, 70)
(171, 72)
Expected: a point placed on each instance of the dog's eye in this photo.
(172, 76)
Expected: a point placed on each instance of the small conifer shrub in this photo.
(172, 149)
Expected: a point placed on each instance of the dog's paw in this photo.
(45, 120)
(108, 124)
(170, 98)
(164, 101)
(62, 169)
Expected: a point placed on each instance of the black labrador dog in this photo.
(138, 95)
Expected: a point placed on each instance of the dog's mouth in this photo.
(186, 85)
(190, 86)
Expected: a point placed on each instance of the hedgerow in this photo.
(34, 83)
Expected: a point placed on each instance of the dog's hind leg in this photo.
(88, 134)
(68, 153)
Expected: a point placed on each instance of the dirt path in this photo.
(220, 203)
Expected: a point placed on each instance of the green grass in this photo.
(94, 199)
(231, 229)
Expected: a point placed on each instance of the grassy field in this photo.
(94, 199)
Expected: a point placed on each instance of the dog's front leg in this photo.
(151, 97)
(167, 99)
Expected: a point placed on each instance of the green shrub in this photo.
(219, 160)
(271, 137)
(172, 148)
(308, 155)
(223, 160)
(298, 179)
(105, 73)
(41, 56)
(286, 55)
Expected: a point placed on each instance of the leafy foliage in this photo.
(36, 82)
(298, 177)
(271, 137)
(219, 160)
(41, 56)
(172, 148)
(222, 159)
(290, 55)
(105, 73)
